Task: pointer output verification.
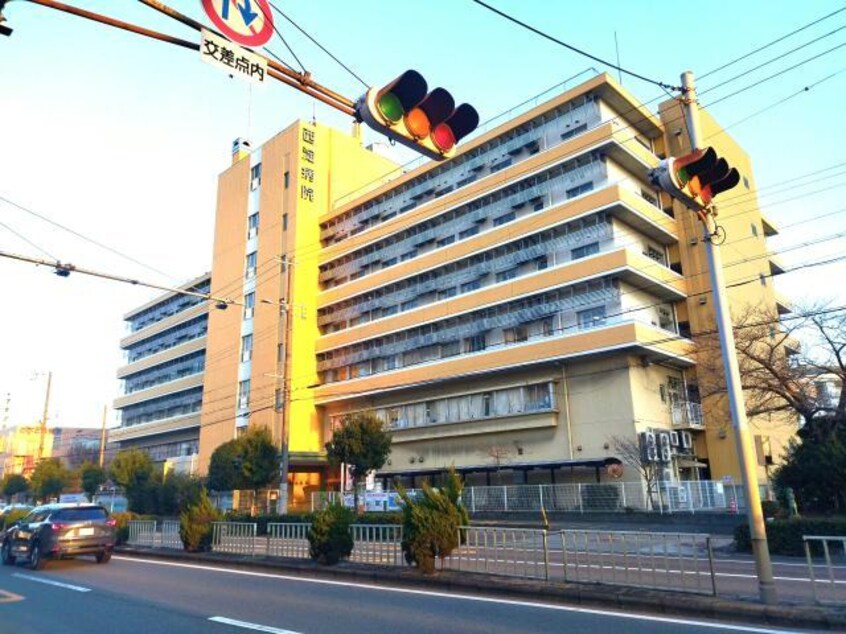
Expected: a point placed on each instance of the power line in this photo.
(573, 48)
(29, 242)
(773, 42)
(281, 37)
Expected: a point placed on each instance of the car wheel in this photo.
(104, 557)
(36, 557)
(6, 554)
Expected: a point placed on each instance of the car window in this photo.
(81, 514)
(37, 515)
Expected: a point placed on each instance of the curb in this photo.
(584, 595)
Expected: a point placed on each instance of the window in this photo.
(503, 276)
(476, 343)
(581, 189)
(246, 348)
(487, 404)
(287, 179)
(445, 241)
(280, 353)
(569, 134)
(649, 197)
(472, 231)
(255, 176)
(410, 304)
(754, 229)
(284, 222)
(408, 255)
(471, 286)
(515, 334)
(446, 293)
(746, 182)
(655, 254)
(244, 394)
(450, 349)
(537, 397)
(278, 399)
(252, 225)
(501, 220)
(662, 392)
(249, 305)
(763, 279)
(547, 326)
(541, 263)
(252, 260)
(585, 250)
(591, 318)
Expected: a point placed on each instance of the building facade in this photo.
(22, 446)
(514, 312)
(162, 380)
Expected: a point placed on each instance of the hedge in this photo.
(785, 536)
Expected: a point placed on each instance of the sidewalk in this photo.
(586, 595)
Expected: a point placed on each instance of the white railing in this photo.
(170, 537)
(667, 561)
(687, 414)
(514, 552)
(288, 539)
(687, 496)
(828, 592)
(234, 537)
(142, 533)
(377, 544)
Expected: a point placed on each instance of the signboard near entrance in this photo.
(247, 22)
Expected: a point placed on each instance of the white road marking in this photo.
(50, 582)
(469, 597)
(250, 626)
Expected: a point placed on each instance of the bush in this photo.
(785, 536)
(329, 538)
(371, 517)
(13, 516)
(771, 509)
(122, 525)
(431, 522)
(195, 524)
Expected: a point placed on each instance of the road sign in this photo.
(247, 22)
(220, 52)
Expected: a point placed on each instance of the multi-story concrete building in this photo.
(22, 446)
(165, 354)
(515, 309)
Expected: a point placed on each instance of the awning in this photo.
(594, 463)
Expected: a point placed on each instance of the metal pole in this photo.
(44, 416)
(745, 449)
(286, 389)
(103, 438)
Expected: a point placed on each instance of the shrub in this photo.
(372, 517)
(195, 524)
(771, 509)
(13, 516)
(122, 526)
(329, 538)
(785, 536)
(431, 522)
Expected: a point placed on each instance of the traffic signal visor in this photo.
(427, 122)
(696, 178)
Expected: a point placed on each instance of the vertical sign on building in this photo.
(307, 163)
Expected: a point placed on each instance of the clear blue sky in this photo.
(122, 138)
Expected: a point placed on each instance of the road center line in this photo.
(250, 626)
(50, 582)
(469, 597)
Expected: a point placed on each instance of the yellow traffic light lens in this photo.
(390, 107)
(417, 123)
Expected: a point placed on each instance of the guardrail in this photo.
(234, 537)
(170, 535)
(681, 562)
(377, 544)
(831, 583)
(288, 539)
(515, 552)
(142, 533)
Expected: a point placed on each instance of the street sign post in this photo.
(246, 22)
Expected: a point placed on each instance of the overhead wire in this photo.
(27, 240)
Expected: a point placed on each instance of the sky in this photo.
(121, 139)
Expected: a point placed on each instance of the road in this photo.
(142, 596)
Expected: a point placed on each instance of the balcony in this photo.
(687, 415)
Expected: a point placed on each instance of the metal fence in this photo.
(515, 552)
(690, 496)
(377, 544)
(142, 533)
(668, 561)
(825, 589)
(170, 537)
(288, 540)
(234, 537)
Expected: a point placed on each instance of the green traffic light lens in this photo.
(390, 107)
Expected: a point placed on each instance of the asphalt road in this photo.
(131, 595)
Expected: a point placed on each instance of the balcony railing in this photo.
(687, 415)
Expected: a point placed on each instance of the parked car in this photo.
(56, 531)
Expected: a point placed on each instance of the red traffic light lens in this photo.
(418, 123)
(390, 107)
(443, 138)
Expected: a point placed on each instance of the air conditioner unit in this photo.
(664, 439)
(674, 438)
(651, 454)
(687, 440)
(666, 454)
(649, 438)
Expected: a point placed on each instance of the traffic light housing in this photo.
(696, 178)
(429, 122)
(4, 30)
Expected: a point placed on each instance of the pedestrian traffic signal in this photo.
(696, 178)
(427, 122)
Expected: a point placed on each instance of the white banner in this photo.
(233, 59)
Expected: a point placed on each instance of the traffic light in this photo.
(4, 30)
(696, 178)
(427, 122)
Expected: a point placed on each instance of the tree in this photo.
(259, 459)
(49, 478)
(629, 451)
(223, 470)
(815, 468)
(91, 476)
(362, 444)
(14, 484)
(131, 468)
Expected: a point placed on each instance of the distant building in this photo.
(162, 380)
(75, 445)
(19, 448)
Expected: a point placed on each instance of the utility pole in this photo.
(44, 416)
(285, 432)
(745, 447)
(103, 438)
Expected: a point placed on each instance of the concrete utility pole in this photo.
(103, 438)
(285, 431)
(44, 416)
(745, 447)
